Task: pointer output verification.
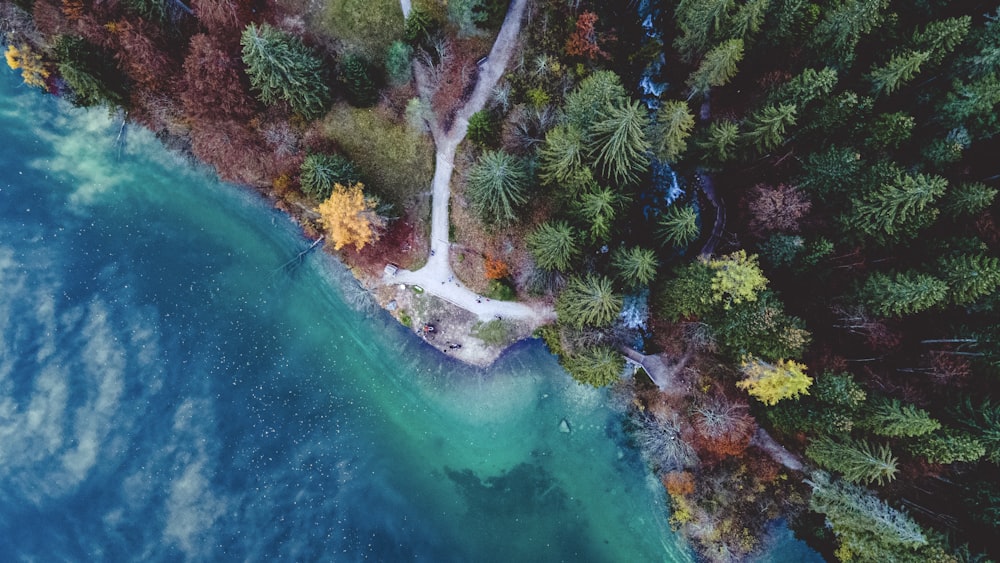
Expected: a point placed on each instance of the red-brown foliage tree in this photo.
(225, 18)
(583, 41)
(776, 208)
(723, 428)
(141, 53)
(235, 150)
(679, 483)
(213, 88)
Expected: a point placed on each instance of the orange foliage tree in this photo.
(679, 483)
(496, 269)
(583, 41)
(350, 217)
(32, 68)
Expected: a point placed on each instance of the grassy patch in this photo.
(394, 162)
(494, 333)
(501, 291)
(370, 25)
(405, 319)
(417, 289)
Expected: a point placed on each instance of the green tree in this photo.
(554, 245)
(781, 250)
(941, 37)
(900, 69)
(281, 68)
(762, 329)
(717, 68)
(766, 127)
(678, 226)
(972, 104)
(720, 140)
(890, 130)
(674, 123)
(397, 62)
(561, 155)
(688, 294)
(903, 293)
(845, 23)
(320, 172)
(418, 25)
(698, 21)
(636, 265)
(857, 460)
(984, 421)
(831, 172)
(466, 15)
(746, 21)
(361, 89)
(617, 141)
(497, 187)
(588, 301)
(869, 530)
(970, 277)
(90, 73)
(596, 206)
(894, 419)
(948, 446)
(772, 382)
(482, 128)
(899, 208)
(594, 93)
(805, 87)
(968, 199)
(597, 366)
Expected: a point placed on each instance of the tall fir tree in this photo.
(857, 460)
(717, 68)
(766, 128)
(970, 277)
(588, 301)
(617, 141)
(554, 245)
(893, 419)
(903, 293)
(900, 69)
(281, 68)
(899, 208)
(669, 133)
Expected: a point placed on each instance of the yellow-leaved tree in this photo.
(32, 68)
(770, 383)
(350, 217)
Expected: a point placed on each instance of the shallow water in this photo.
(168, 391)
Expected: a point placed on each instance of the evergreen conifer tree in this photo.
(561, 155)
(497, 187)
(970, 277)
(554, 245)
(320, 172)
(617, 141)
(720, 140)
(941, 37)
(596, 207)
(597, 366)
(899, 208)
(673, 125)
(280, 68)
(948, 446)
(857, 460)
(894, 419)
(968, 199)
(903, 293)
(588, 301)
(718, 66)
(636, 265)
(678, 226)
(766, 127)
(900, 69)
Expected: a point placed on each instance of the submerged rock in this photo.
(564, 426)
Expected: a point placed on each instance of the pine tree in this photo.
(674, 123)
(280, 68)
(900, 69)
(596, 207)
(588, 301)
(899, 208)
(718, 66)
(857, 460)
(699, 21)
(948, 446)
(830, 172)
(762, 329)
(678, 226)
(594, 93)
(617, 141)
(972, 104)
(941, 37)
(720, 140)
(636, 266)
(417, 26)
(890, 130)
(806, 87)
(497, 187)
(746, 21)
(869, 530)
(970, 277)
(903, 293)
(397, 62)
(320, 172)
(772, 382)
(554, 245)
(466, 15)
(893, 419)
(597, 366)
(561, 155)
(688, 294)
(968, 199)
(845, 23)
(90, 73)
(984, 422)
(361, 89)
(766, 127)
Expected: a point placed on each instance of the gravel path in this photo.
(437, 277)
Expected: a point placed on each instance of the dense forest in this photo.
(792, 203)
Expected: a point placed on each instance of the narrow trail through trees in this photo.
(437, 277)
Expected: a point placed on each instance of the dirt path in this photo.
(405, 6)
(437, 277)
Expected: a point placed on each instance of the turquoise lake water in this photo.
(168, 392)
